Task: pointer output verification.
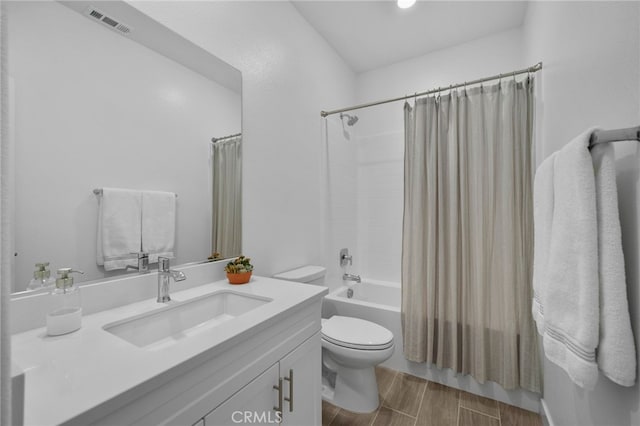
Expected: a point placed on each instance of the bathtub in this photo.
(379, 302)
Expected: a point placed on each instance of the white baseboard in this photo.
(546, 414)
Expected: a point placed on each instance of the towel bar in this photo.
(617, 135)
(98, 191)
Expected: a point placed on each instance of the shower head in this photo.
(351, 119)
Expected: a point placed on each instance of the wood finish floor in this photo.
(411, 401)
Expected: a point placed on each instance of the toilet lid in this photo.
(356, 333)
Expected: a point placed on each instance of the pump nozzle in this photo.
(64, 280)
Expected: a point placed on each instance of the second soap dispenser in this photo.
(41, 277)
(65, 310)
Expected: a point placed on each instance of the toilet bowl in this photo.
(351, 348)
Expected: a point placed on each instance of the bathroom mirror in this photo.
(101, 95)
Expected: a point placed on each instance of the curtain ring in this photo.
(465, 88)
(451, 90)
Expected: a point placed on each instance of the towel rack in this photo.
(617, 135)
(98, 192)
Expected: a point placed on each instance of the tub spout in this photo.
(351, 277)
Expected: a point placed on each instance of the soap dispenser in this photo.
(41, 277)
(65, 312)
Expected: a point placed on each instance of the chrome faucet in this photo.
(164, 275)
(351, 277)
(143, 263)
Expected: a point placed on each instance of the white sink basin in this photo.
(164, 327)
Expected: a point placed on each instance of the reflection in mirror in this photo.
(226, 229)
(95, 107)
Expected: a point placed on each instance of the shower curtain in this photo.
(467, 245)
(226, 230)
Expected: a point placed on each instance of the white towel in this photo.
(579, 288)
(569, 285)
(616, 350)
(158, 224)
(543, 219)
(119, 232)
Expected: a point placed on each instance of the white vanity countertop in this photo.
(68, 375)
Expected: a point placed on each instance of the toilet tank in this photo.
(309, 274)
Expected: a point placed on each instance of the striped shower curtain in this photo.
(468, 234)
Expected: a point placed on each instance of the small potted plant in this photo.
(239, 270)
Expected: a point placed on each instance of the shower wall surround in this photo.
(340, 186)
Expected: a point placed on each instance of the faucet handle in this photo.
(345, 257)
(163, 263)
(143, 261)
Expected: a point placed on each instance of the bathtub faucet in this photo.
(351, 277)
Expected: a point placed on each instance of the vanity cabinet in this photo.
(241, 379)
(303, 366)
(287, 393)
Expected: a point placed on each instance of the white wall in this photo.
(591, 76)
(289, 75)
(380, 131)
(94, 109)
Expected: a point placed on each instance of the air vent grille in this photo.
(96, 14)
(110, 22)
(123, 28)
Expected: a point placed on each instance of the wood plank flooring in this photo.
(411, 401)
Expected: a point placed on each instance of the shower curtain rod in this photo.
(214, 140)
(617, 135)
(534, 68)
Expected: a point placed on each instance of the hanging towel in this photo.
(616, 350)
(580, 304)
(158, 224)
(543, 219)
(119, 232)
(568, 282)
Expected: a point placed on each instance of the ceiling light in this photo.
(405, 4)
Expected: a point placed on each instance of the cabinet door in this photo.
(253, 404)
(302, 373)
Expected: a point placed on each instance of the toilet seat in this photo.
(356, 333)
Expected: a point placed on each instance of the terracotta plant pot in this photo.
(242, 278)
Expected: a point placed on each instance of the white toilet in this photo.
(351, 348)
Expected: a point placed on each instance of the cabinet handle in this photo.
(279, 389)
(290, 399)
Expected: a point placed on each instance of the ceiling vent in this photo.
(108, 21)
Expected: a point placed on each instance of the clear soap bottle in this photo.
(65, 309)
(41, 277)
